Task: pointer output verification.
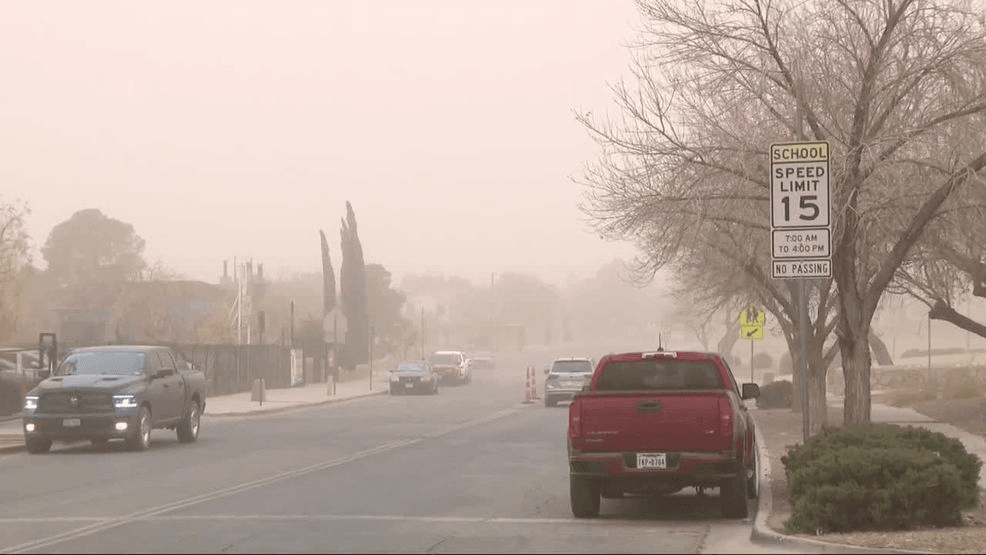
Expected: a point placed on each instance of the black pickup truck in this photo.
(118, 391)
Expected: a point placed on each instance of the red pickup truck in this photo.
(654, 423)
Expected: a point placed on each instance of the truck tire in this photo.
(140, 439)
(38, 445)
(549, 402)
(188, 428)
(753, 484)
(732, 495)
(584, 495)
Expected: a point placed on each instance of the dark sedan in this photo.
(409, 377)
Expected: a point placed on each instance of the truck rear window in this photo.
(648, 375)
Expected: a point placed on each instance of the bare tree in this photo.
(896, 87)
(14, 256)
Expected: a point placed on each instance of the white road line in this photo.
(46, 519)
(396, 518)
(107, 524)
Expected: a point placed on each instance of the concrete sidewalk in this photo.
(239, 404)
(764, 535)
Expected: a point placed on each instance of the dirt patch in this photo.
(782, 428)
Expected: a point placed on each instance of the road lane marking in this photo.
(620, 521)
(145, 514)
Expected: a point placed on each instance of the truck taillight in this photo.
(575, 419)
(725, 417)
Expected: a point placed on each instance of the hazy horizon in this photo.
(239, 129)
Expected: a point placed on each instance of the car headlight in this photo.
(31, 402)
(426, 378)
(551, 385)
(126, 401)
(395, 378)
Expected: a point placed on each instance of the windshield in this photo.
(660, 374)
(116, 363)
(444, 358)
(572, 366)
(411, 367)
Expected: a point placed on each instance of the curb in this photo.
(293, 407)
(763, 535)
(12, 449)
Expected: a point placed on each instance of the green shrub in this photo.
(776, 395)
(875, 489)
(889, 436)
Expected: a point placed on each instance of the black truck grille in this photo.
(81, 402)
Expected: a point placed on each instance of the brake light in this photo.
(725, 418)
(575, 419)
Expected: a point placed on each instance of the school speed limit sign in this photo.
(799, 210)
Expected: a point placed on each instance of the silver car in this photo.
(566, 377)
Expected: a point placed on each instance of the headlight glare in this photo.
(31, 402)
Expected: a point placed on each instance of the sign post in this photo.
(752, 323)
(800, 230)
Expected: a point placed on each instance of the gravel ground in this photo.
(781, 429)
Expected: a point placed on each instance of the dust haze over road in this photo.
(472, 469)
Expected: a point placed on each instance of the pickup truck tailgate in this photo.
(686, 421)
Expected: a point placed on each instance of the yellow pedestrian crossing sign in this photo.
(752, 322)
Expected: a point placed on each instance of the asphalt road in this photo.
(469, 470)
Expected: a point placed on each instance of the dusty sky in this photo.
(222, 129)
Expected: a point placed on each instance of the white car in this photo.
(566, 377)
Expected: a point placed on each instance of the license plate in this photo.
(652, 460)
(409, 385)
(71, 422)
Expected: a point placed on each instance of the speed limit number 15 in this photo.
(799, 192)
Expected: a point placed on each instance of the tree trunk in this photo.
(855, 350)
(817, 402)
(880, 350)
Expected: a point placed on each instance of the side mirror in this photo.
(546, 371)
(44, 374)
(165, 372)
(750, 391)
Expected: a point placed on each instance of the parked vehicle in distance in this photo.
(118, 391)
(482, 362)
(450, 366)
(414, 376)
(566, 377)
(15, 382)
(653, 423)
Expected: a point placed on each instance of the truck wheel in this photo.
(38, 445)
(393, 391)
(549, 402)
(140, 440)
(188, 429)
(732, 495)
(753, 483)
(584, 495)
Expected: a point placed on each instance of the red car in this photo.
(653, 423)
